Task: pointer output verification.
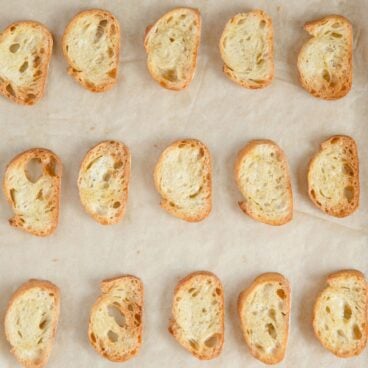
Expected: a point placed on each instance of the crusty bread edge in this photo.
(33, 152)
(323, 145)
(230, 73)
(208, 181)
(330, 278)
(48, 52)
(95, 88)
(127, 169)
(149, 30)
(333, 95)
(263, 278)
(105, 291)
(45, 285)
(244, 151)
(181, 284)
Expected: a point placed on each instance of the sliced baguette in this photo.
(340, 314)
(246, 47)
(91, 45)
(104, 180)
(25, 53)
(325, 61)
(333, 177)
(172, 46)
(116, 320)
(264, 311)
(31, 322)
(34, 196)
(262, 175)
(183, 178)
(198, 315)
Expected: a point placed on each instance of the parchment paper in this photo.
(150, 243)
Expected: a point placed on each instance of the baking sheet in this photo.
(148, 242)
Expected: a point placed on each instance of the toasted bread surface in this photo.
(183, 177)
(34, 196)
(172, 45)
(262, 176)
(31, 322)
(333, 176)
(246, 47)
(91, 45)
(103, 181)
(340, 314)
(25, 53)
(198, 315)
(116, 320)
(325, 61)
(264, 311)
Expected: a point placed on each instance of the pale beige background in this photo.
(148, 242)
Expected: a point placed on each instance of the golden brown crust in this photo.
(330, 279)
(52, 289)
(151, 28)
(166, 204)
(108, 147)
(172, 330)
(339, 211)
(73, 69)
(264, 278)
(52, 167)
(26, 99)
(332, 93)
(242, 153)
(106, 287)
(230, 73)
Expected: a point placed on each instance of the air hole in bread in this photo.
(349, 193)
(281, 293)
(33, 170)
(262, 24)
(116, 204)
(336, 35)
(194, 344)
(10, 89)
(347, 170)
(23, 67)
(328, 310)
(335, 140)
(218, 291)
(326, 75)
(259, 347)
(93, 337)
(12, 195)
(272, 314)
(36, 62)
(118, 164)
(14, 48)
(116, 314)
(357, 334)
(170, 75)
(112, 73)
(347, 312)
(271, 330)
(341, 333)
(100, 30)
(211, 341)
(40, 195)
(43, 324)
(113, 337)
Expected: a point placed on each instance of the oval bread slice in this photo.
(325, 61)
(183, 178)
(31, 322)
(25, 53)
(104, 180)
(246, 47)
(262, 175)
(333, 177)
(198, 315)
(91, 45)
(116, 320)
(32, 185)
(340, 314)
(264, 311)
(172, 46)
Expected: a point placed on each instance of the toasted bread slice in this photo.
(172, 46)
(246, 47)
(25, 53)
(31, 322)
(32, 185)
(325, 61)
(262, 175)
(198, 315)
(104, 180)
(340, 314)
(116, 320)
(91, 45)
(333, 177)
(183, 178)
(264, 311)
